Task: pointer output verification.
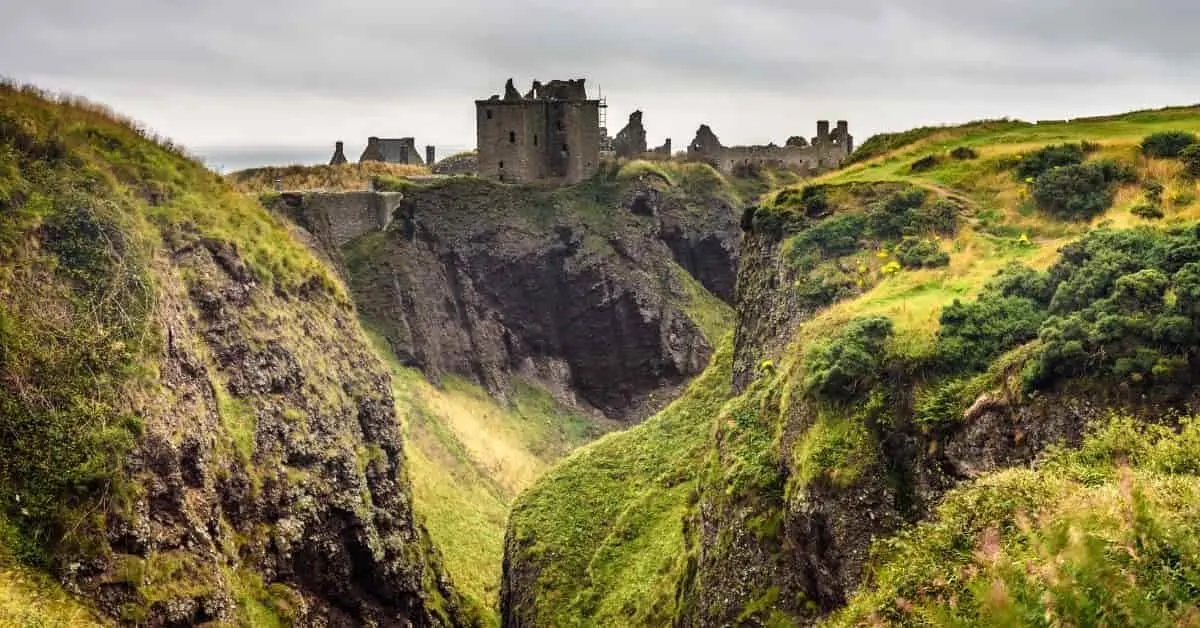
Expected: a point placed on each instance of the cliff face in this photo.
(225, 446)
(594, 290)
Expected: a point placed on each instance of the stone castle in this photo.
(550, 133)
(554, 132)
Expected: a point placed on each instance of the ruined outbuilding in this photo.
(550, 133)
(826, 150)
(401, 150)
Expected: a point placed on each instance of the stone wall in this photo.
(344, 216)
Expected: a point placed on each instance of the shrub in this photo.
(941, 217)
(1154, 191)
(973, 334)
(921, 253)
(1167, 144)
(1078, 192)
(1048, 158)
(925, 163)
(849, 364)
(834, 236)
(894, 216)
(1190, 157)
(1147, 211)
(963, 153)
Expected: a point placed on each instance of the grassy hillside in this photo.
(947, 263)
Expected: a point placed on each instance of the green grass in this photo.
(469, 456)
(604, 528)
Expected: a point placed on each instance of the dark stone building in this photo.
(550, 133)
(393, 151)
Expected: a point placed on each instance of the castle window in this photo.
(512, 137)
(502, 165)
(558, 125)
(535, 140)
(489, 114)
(565, 148)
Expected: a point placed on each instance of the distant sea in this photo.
(226, 159)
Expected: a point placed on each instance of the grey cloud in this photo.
(889, 61)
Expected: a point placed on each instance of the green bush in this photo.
(1148, 211)
(928, 162)
(849, 364)
(1048, 158)
(1167, 144)
(921, 253)
(973, 334)
(1154, 192)
(1190, 157)
(963, 153)
(834, 236)
(896, 215)
(811, 200)
(1078, 192)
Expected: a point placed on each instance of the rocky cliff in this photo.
(196, 429)
(602, 291)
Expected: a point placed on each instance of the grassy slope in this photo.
(1002, 211)
(30, 599)
(606, 525)
(350, 176)
(562, 516)
(470, 455)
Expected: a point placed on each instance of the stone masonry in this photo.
(550, 133)
(827, 150)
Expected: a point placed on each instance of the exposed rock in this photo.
(482, 287)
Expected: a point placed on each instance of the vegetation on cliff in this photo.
(954, 305)
(340, 178)
(189, 407)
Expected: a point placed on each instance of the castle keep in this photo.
(550, 133)
(827, 150)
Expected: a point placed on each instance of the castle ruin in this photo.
(401, 150)
(827, 150)
(550, 133)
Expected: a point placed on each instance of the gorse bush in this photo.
(850, 363)
(921, 253)
(1075, 192)
(928, 162)
(963, 153)
(1118, 304)
(1167, 144)
(1046, 159)
(1190, 157)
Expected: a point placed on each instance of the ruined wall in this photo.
(509, 135)
(828, 150)
(343, 215)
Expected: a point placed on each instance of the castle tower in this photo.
(822, 133)
(430, 153)
(843, 132)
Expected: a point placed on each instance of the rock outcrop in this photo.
(484, 281)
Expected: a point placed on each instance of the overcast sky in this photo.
(242, 81)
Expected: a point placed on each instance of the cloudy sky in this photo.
(247, 81)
